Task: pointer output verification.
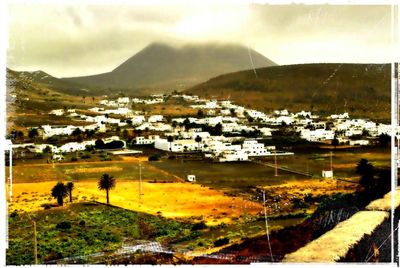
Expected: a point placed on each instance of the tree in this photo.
(106, 183)
(77, 132)
(170, 139)
(218, 129)
(384, 140)
(366, 171)
(99, 144)
(198, 139)
(200, 113)
(70, 187)
(335, 142)
(33, 132)
(59, 191)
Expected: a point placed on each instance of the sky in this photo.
(79, 39)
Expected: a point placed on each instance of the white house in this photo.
(177, 145)
(253, 148)
(233, 156)
(155, 118)
(359, 142)
(327, 174)
(58, 112)
(149, 140)
(317, 135)
(123, 100)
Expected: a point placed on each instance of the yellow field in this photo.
(172, 200)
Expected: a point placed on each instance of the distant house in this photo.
(233, 156)
(58, 112)
(253, 148)
(359, 142)
(149, 140)
(191, 178)
(327, 174)
(155, 118)
(317, 135)
(177, 145)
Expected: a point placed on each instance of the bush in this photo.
(154, 157)
(199, 226)
(85, 156)
(64, 225)
(14, 214)
(74, 159)
(82, 223)
(47, 206)
(221, 241)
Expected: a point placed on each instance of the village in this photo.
(222, 131)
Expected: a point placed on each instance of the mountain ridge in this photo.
(160, 64)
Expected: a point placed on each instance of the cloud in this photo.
(73, 40)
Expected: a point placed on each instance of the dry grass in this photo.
(92, 170)
(172, 200)
(312, 186)
(335, 244)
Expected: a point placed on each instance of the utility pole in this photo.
(331, 162)
(140, 183)
(276, 165)
(35, 243)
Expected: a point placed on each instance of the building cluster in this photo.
(222, 130)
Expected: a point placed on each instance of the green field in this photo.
(94, 228)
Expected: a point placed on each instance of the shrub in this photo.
(82, 223)
(85, 156)
(221, 241)
(14, 214)
(154, 157)
(199, 226)
(74, 159)
(47, 206)
(64, 225)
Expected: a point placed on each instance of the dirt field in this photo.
(172, 200)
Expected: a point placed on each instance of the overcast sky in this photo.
(80, 40)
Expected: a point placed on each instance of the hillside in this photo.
(29, 100)
(360, 89)
(160, 66)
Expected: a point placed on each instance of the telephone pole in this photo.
(276, 165)
(140, 183)
(331, 162)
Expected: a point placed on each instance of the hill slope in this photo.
(162, 66)
(360, 89)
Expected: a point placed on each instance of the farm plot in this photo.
(85, 228)
(236, 176)
(127, 170)
(172, 200)
(344, 162)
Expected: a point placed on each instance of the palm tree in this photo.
(107, 183)
(59, 191)
(70, 187)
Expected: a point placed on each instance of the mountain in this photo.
(360, 89)
(160, 66)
